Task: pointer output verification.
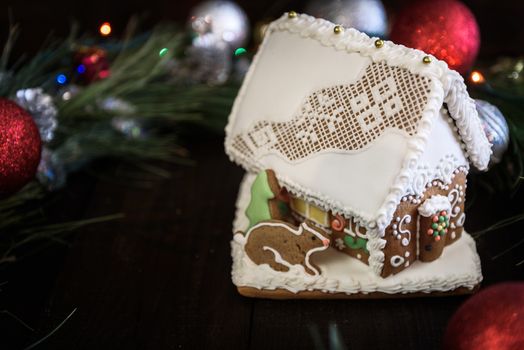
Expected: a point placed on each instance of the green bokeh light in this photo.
(240, 51)
(163, 52)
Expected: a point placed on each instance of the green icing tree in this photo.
(358, 243)
(258, 208)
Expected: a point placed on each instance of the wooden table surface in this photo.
(160, 277)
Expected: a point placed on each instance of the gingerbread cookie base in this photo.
(457, 271)
(282, 294)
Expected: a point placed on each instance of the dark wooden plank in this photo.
(158, 279)
(362, 324)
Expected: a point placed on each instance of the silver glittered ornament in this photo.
(495, 127)
(214, 21)
(211, 65)
(67, 92)
(51, 171)
(116, 105)
(130, 128)
(368, 16)
(42, 108)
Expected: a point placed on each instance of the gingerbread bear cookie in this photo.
(282, 245)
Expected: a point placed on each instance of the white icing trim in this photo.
(434, 204)
(423, 176)
(349, 231)
(462, 109)
(446, 86)
(396, 260)
(461, 220)
(405, 219)
(459, 266)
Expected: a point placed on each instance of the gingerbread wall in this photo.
(397, 254)
(404, 244)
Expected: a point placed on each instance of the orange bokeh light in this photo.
(105, 29)
(476, 77)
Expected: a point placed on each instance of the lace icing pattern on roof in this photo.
(343, 117)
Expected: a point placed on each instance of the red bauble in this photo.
(20, 147)
(491, 320)
(444, 28)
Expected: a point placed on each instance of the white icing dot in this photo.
(434, 183)
(405, 242)
(453, 235)
(404, 199)
(459, 200)
(461, 193)
(359, 256)
(406, 264)
(395, 232)
(406, 254)
(398, 218)
(396, 261)
(394, 226)
(456, 210)
(457, 186)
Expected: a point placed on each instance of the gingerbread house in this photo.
(372, 141)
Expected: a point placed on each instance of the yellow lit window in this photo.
(318, 215)
(299, 206)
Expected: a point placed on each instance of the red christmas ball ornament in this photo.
(444, 28)
(493, 319)
(20, 147)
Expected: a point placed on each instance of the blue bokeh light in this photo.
(81, 69)
(61, 79)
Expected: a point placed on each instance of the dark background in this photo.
(500, 21)
(160, 277)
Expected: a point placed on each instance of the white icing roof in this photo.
(302, 56)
